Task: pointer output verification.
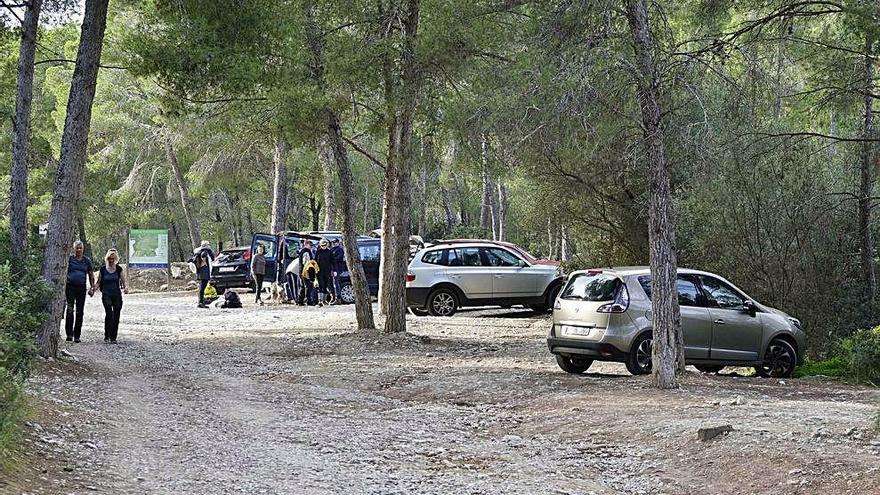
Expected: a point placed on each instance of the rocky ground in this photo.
(279, 399)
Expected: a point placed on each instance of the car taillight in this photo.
(410, 277)
(620, 303)
(247, 254)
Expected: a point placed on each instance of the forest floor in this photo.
(281, 399)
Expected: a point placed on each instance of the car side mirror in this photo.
(521, 264)
(749, 307)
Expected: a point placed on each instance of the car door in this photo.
(270, 245)
(696, 322)
(370, 257)
(512, 277)
(736, 335)
(466, 269)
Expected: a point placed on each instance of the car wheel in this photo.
(708, 368)
(442, 302)
(779, 360)
(574, 364)
(418, 311)
(346, 293)
(639, 360)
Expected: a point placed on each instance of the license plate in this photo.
(577, 331)
(226, 269)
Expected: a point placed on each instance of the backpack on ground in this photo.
(231, 300)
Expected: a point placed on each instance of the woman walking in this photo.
(258, 271)
(79, 269)
(326, 271)
(111, 283)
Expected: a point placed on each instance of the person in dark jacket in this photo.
(339, 257)
(326, 272)
(203, 258)
(111, 283)
(258, 271)
(79, 269)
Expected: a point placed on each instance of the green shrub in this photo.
(22, 309)
(863, 348)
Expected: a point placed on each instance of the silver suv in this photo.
(445, 277)
(605, 315)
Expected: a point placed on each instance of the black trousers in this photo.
(73, 322)
(112, 306)
(325, 284)
(258, 285)
(202, 285)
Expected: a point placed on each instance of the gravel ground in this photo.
(280, 399)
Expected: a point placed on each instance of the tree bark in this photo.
(396, 221)
(195, 235)
(279, 189)
(68, 179)
(866, 185)
(668, 350)
(335, 147)
(501, 212)
(81, 229)
(487, 215)
(315, 209)
(326, 159)
(18, 195)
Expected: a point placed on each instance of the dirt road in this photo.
(278, 399)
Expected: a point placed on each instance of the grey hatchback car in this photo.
(605, 315)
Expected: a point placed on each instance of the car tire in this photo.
(346, 293)
(639, 360)
(418, 311)
(780, 359)
(442, 302)
(574, 365)
(551, 300)
(708, 368)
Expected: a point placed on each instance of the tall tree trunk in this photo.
(486, 210)
(668, 350)
(866, 186)
(448, 208)
(334, 146)
(68, 179)
(195, 235)
(315, 209)
(396, 222)
(21, 129)
(181, 253)
(326, 159)
(501, 210)
(81, 230)
(279, 189)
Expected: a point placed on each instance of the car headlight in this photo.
(795, 322)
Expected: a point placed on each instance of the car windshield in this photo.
(230, 255)
(591, 286)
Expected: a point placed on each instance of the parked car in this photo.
(445, 277)
(370, 253)
(231, 269)
(605, 315)
(509, 245)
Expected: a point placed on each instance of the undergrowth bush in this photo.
(855, 358)
(22, 309)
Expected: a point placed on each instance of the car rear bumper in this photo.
(231, 280)
(595, 350)
(417, 297)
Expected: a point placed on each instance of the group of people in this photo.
(111, 282)
(312, 276)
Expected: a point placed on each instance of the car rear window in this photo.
(591, 287)
(434, 257)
